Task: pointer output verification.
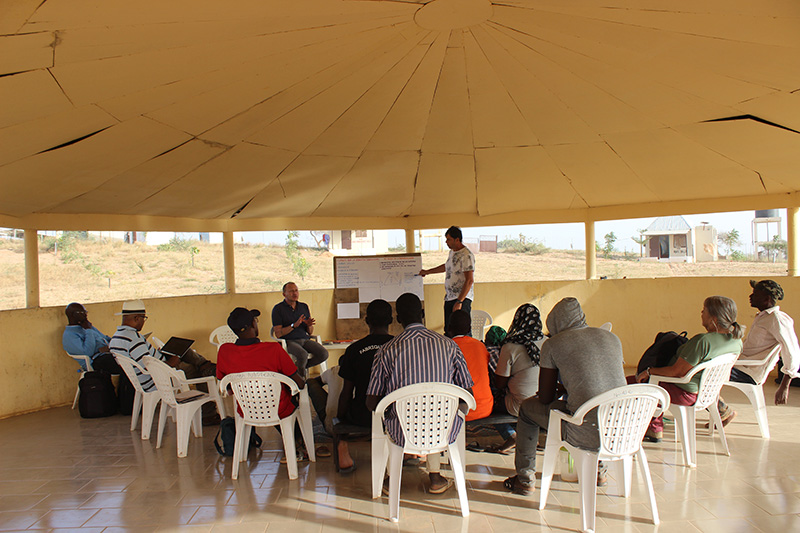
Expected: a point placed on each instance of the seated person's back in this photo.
(477, 357)
(249, 354)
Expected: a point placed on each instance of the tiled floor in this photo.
(58, 471)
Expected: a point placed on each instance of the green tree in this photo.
(608, 249)
(729, 239)
(774, 248)
(292, 247)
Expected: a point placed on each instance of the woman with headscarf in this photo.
(517, 371)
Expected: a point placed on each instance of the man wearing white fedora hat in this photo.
(128, 341)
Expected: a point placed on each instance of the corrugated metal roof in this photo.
(675, 225)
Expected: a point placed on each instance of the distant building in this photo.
(669, 239)
(359, 242)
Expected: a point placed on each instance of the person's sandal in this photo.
(517, 487)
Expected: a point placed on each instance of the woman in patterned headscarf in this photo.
(518, 366)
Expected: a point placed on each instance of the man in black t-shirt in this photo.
(355, 367)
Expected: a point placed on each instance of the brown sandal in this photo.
(518, 487)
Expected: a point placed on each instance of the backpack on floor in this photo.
(125, 394)
(226, 437)
(661, 352)
(97, 398)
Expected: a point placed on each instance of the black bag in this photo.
(226, 437)
(126, 394)
(661, 352)
(97, 398)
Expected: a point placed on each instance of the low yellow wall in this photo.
(36, 374)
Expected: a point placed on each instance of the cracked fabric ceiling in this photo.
(326, 113)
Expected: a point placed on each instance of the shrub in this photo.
(522, 246)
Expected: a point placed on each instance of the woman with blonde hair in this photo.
(723, 335)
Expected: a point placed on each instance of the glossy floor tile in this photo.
(61, 472)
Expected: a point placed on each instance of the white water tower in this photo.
(766, 225)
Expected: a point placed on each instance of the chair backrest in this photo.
(84, 360)
(426, 412)
(623, 415)
(715, 373)
(771, 361)
(480, 319)
(164, 377)
(129, 366)
(258, 394)
(221, 335)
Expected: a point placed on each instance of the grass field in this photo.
(92, 271)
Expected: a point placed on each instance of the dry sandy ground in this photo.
(116, 271)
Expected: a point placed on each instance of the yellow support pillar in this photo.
(410, 244)
(591, 254)
(227, 257)
(793, 250)
(31, 267)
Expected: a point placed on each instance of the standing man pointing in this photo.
(458, 280)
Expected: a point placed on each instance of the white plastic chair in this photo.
(185, 405)
(755, 393)
(480, 321)
(221, 335)
(715, 373)
(323, 366)
(623, 415)
(258, 394)
(88, 362)
(143, 401)
(426, 412)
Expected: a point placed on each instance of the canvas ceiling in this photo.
(270, 114)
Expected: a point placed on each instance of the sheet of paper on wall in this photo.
(347, 310)
(369, 293)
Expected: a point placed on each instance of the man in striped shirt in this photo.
(127, 341)
(418, 355)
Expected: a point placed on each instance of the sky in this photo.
(571, 236)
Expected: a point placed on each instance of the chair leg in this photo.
(77, 393)
(184, 423)
(237, 448)
(551, 448)
(162, 421)
(716, 420)
(649, 482)
(380, 456)
(622, 475)
(137, 408)
(149, 404)
(458, 464)
(306, 425)
(287, 432)
(683, 432)
(691, 439)
(587, 484)
(395, 476)
(756, 396)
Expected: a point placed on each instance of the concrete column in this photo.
(227, 257)
(793, 250)
(31, 267)
(410, 245)
(591, 254)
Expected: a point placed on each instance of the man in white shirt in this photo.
(459, 272)
(770, 327)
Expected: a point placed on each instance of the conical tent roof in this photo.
(329, 113)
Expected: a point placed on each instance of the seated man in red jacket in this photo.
(249, 354)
